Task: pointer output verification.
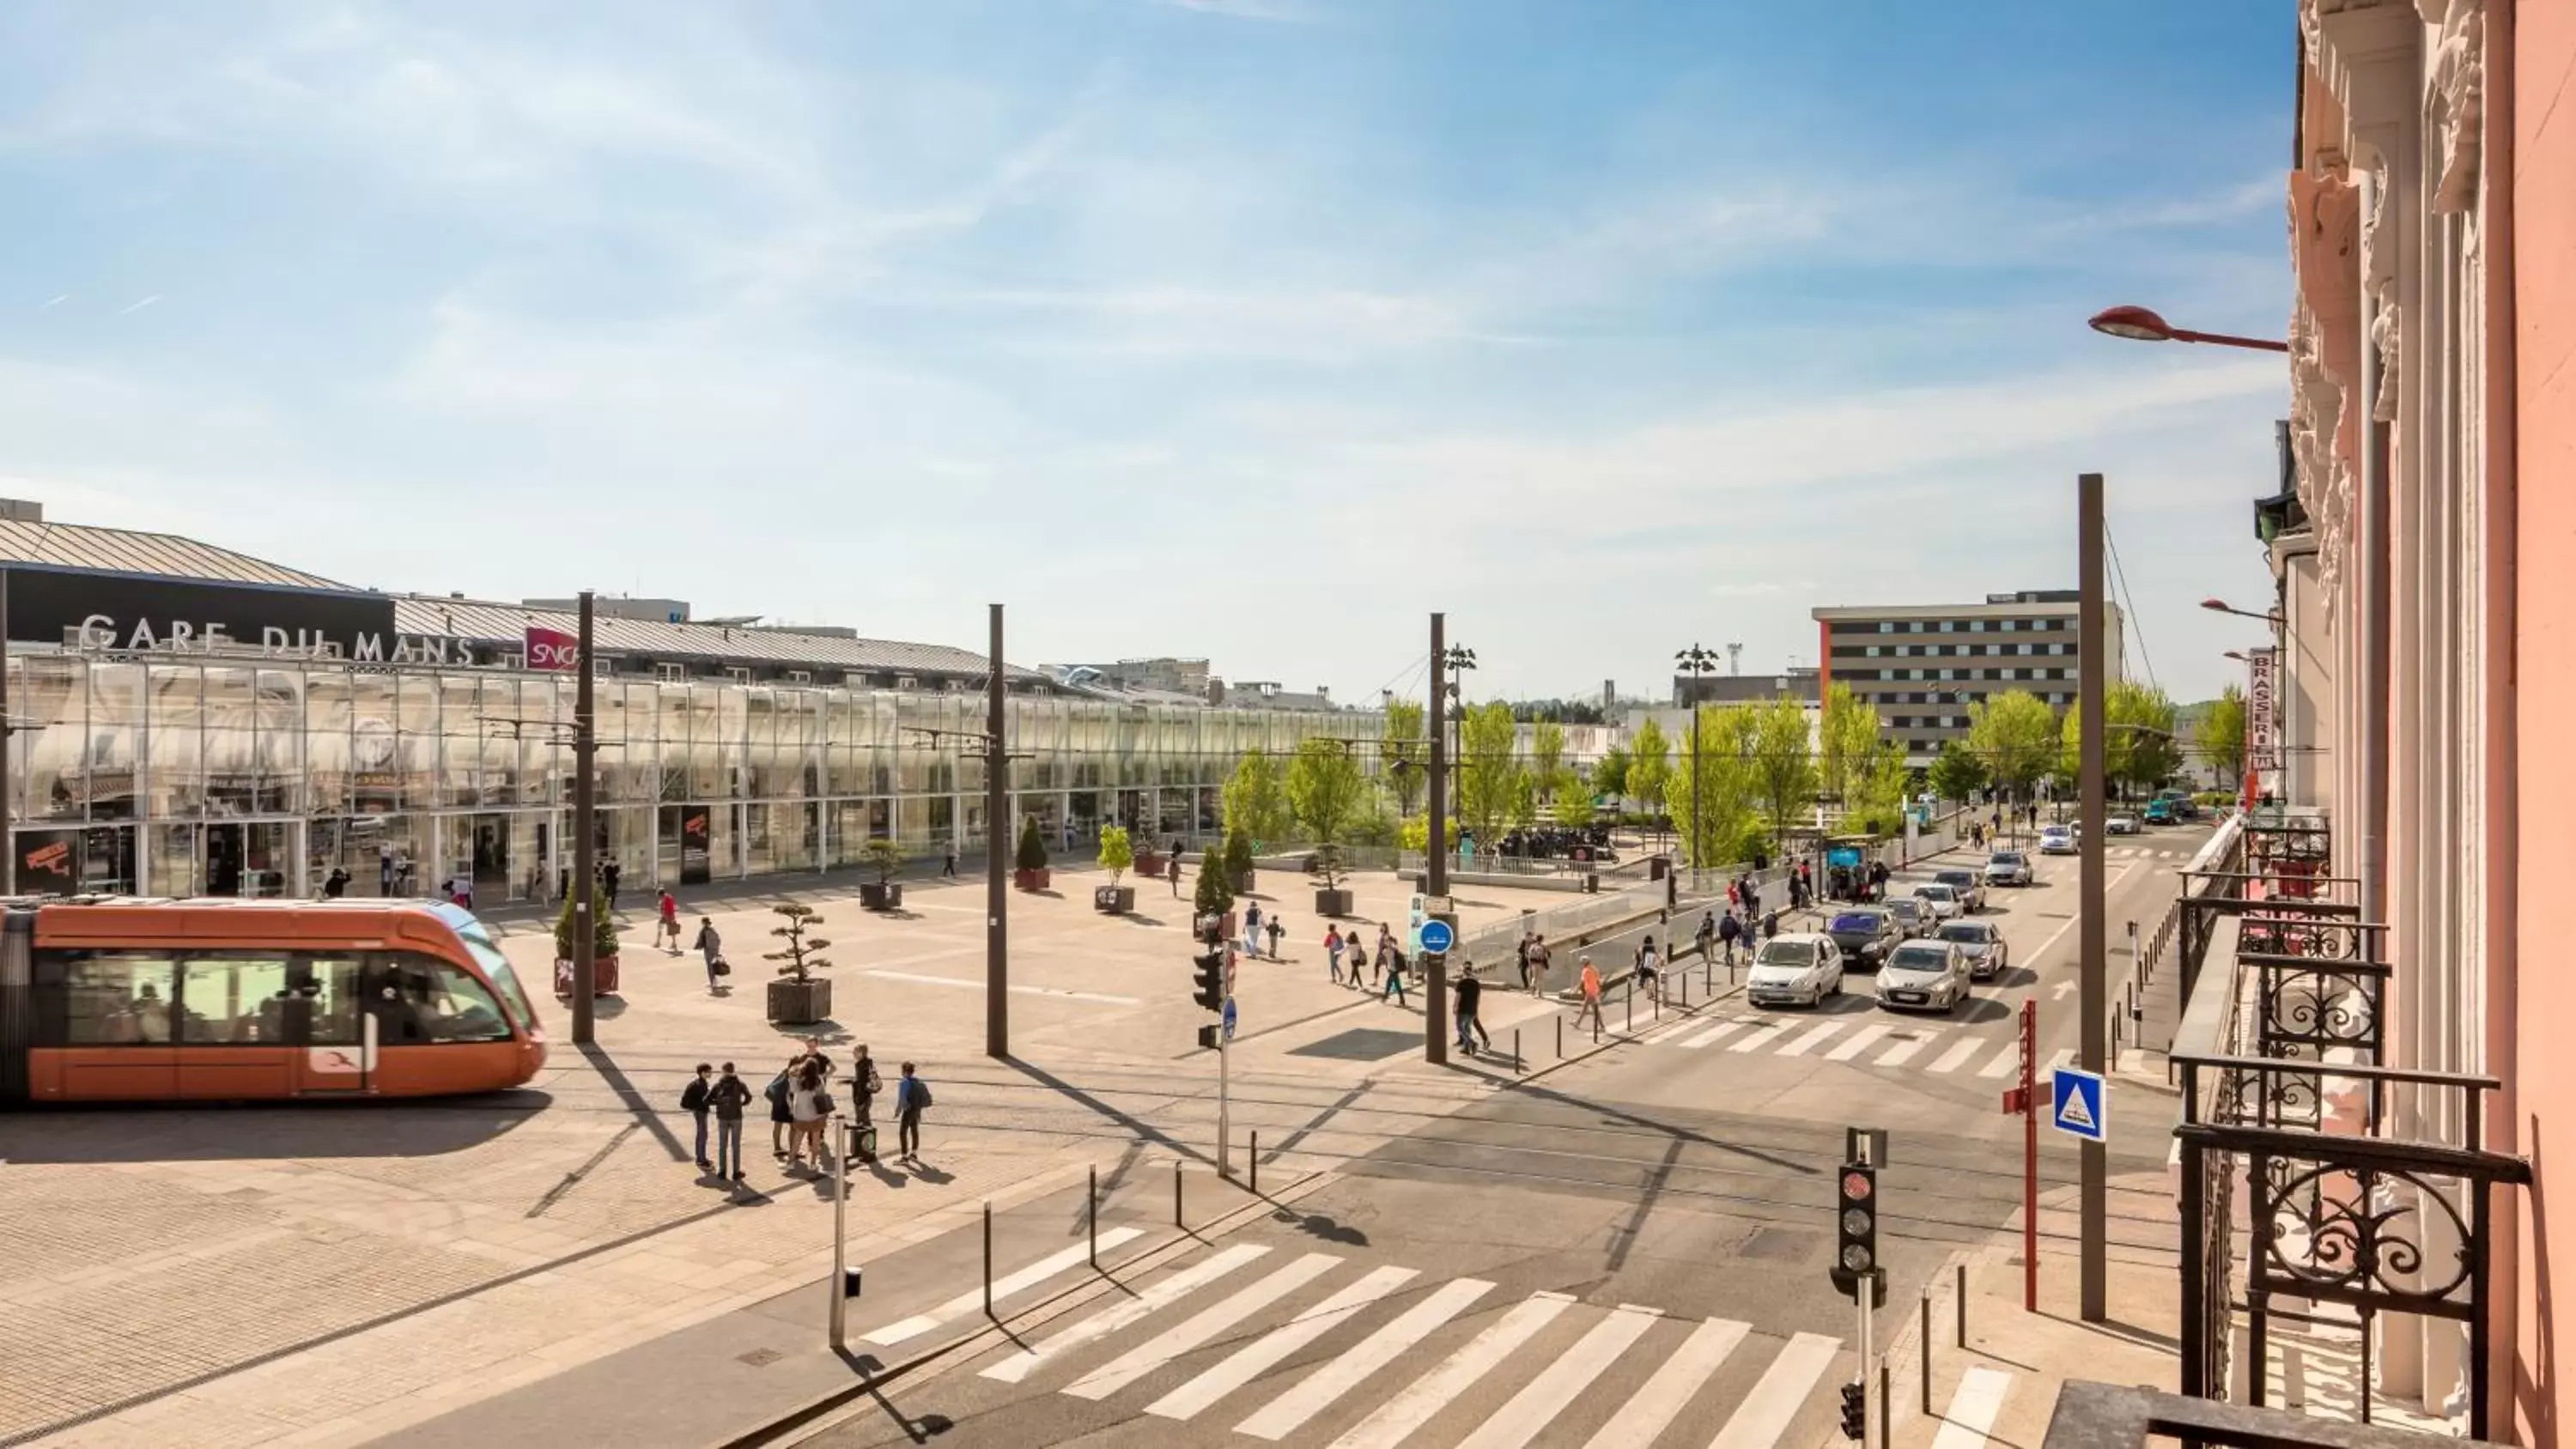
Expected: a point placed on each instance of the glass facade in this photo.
(159, 776)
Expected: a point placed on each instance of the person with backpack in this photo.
(666, 923)
(711, 946)
(1394, 975)
(1707, 934)
(1728, 931)
(693, 1100)
(809, 1101)
(728, 1097)
(782, 1116)
(911, 1099)
(1470, 992)
(1333, 951)
(864, 1086)
(1647, 969)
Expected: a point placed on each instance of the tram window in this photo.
(234, 1000)
(335, 1000)
(449, 1005)
(118, 998)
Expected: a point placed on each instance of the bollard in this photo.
(1091, 1213)
(1256, 1162)
(1628, 1006)
(1885, 1413)
(1176, 1192)
(1560, 1038)
(1926, 1321)
(1961, 1294)
(988, 1257)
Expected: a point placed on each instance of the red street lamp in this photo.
(2139, 324)
(2221, 606)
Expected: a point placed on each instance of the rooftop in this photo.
(506, 625)
(128, 551)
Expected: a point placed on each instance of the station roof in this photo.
(130, 551)
(507, 624)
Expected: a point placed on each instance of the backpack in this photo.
(920, 1095)
(776, 1091)
(693, 1097)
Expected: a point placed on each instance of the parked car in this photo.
(2008, 867)
(1863, 935)
(1987, 952)
(2057, 840)
(1940, 902)
(1796, 970)
(2121, 825)
(1924, 976)
(1972, 891)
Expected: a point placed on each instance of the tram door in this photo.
(335, 1005)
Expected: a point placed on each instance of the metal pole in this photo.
(1926, 1322)
(1091, 1215)
(2094, 666)
(1252, 1162)
(585, 829)
(1225, 1092)
(1960, 1307)
(8, 733)
(1560, 1037)
(1435, 854)
(840, 1242)
(1519, 1062)
(1886, 1438)
(1176, 1192)
(2030, 1156)
(1861, 1295)
(988, 1257)
(997, 844)
(1699, 809)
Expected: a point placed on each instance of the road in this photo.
(1627, 1251)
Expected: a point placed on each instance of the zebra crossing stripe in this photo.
(1858, 1043)
(1800, 1047)
(1905, 1048)
(1766, 1411)
(1265, 1352)
(2006, 1062)
(1712, 1034)
(1654, 1407)
(1973, 1406)
(1672, 1031)
(1155, 1298)
(1283, 1415)
(1761, 1036)
(2064, 1055)
(1027, 1278)
(1117, 1374)
(1398, 1417)
(1952, 1059)
(1546, 1395)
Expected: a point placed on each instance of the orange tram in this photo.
(245, 1000)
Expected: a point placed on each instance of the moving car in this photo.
(1863, 935)
(1972, 892)
(2008, 867)
(1913, 918)
(1798, 970)
(1923, 976)
(1984, 946)
(1940, 902)
(2121, 825)
(2056, 840)
(2160, 812)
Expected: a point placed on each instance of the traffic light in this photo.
(1211, 981)
(1856, 1233)
(1855, 1411)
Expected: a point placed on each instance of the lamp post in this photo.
(585, 827)
(1698, 663)
(1457, 659)
(2221, 606)
(1435, 849)
(2140, 324)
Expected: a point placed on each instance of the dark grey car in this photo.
(1865, 934)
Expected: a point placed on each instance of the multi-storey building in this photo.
(1922, 665)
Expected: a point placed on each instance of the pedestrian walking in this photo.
(1591, 996)
(1734, 896)
(608, 875)
(1729, 931)
(1176, 872)
(911, 1099)
(728, 1097)
(666, 923)
(1521, 958)
(1538, 965)
(1707, 934)
(1771, 926)
(1333, 951)
(1277, 929)
(1470, 994)
(694, 1100)
(948, 863)
(1395, 979)
(1649, 972)
(711, 946)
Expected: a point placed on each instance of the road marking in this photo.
(1546, 1394)
(1859, 1040)
(1265, 1352)
(1100, 1325)
(1712, 1034)
(2061, 990)
(1654, 1407)
(2064, 1055)
(1952, 1059)
(1398, 1417)
(2006, 1062)
(1672, 1031)
(919, 979)
(1905, 1048)
(1285, 1414)
(1118, 1373)
(1973, 1406)
(2116, 877)
(1800, 1047)
(1767, 1410)
(1762, 1036)
(1027, 1278)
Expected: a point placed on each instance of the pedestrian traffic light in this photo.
(1855, 1227)
(1211, 981)
(1855, 1411)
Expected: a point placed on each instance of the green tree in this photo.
(1325, 793)
(1957, 773)
(800, 958)
(1784, 766)
(1524, 799)
(1610, 776)
(1572, 804)
(603, 927)
(1214, 893)
(1117, 853)
(2221, 736)
(1487, 770)
(1877, 800)
(1414, 832)
(1405, 753)
(884, 857)
(1033, 852)
(2016, 737)
(2138, 745)
(1238, 855)
(1650, 767)
(1256, 798)
(1846, 741)
(1547, 753)
(1712, 810)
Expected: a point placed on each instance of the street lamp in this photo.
(2221, 606)
(1698, 663)
(2238, 655)
(2139, 324)
(1457, 659)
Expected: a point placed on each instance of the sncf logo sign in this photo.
(552, 649)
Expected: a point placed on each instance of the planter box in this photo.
(1332, 904)
(1030, 880)
(887, 897)
(603, 976)
(1114, 900)
(800, 1003)
(1153, 864)
(1243, 883)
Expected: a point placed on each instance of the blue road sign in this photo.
(1437, 938)
(2078, 1109)
(1229, 1018)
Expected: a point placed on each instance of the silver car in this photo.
(1987, 952)
(2008, 867)
(1941, 902)
(1971, 889)
(1923, 976)
(1911, 916)
(1799, 970)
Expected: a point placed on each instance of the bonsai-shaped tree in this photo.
(1117, 856)
(1238, 856)
(1032, 854)
(1214, 894)
(802, 957)
(603, 930)
(1324, 793)
(884, 857)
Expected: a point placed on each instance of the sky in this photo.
(1252, 330)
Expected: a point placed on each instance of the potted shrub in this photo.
(1324, 794)
(1151, 864)
(1238, 862)
(1214, 895)
(1030, 866)
(885, 858)
(798, 997)
(1116, 855)
(603, 947)
(1334, 900)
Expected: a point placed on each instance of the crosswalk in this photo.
(1923, 1045)
(1280, 1343)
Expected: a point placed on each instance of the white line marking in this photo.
(1546, 1394)
(1956, 1056)
(2063, 1056)
(2116, 878)
(1654, 1407)
(1027, 1278)
(1672, 1031)
(1859, 1040)
(1905, 1048)
(1973, 1406)
(1108, 1321)
(1712, 1034)
(1283, 1415)
(1760, 1037)
(1409, 1410)
(918, 979)
(1262, 1354)
(1767, 1410)
(2006, 1062)
(1800, 1047)
(1117, 1374)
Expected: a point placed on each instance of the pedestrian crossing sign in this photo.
(2079, 1100)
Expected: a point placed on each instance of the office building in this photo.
(1922, 665)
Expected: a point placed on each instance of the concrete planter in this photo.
(887, 897)
(1153, 864)
(1332, 905)
(1243, 883)
(800, 1003)
(603, 976)
(1030, 880)
(1113, 900)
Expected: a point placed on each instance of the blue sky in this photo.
(1252, 329)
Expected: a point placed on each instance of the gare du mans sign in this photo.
(124, 612)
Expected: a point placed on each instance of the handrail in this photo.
(2331, 965)
(2355, 1070)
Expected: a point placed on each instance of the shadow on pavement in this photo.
(199, 1132)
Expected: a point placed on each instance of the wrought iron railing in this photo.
(2115, 1416)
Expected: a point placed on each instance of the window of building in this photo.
(668, 670)
(1976, 626)
(739, 674)
(1914, 626)
(1949, 626)
(1872, 653)
(906, 681)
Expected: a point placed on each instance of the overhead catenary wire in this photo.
(2130, 606)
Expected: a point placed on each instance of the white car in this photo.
(2121, 825)
(1799, 970)
(1923, 976)
(2056, 840)
(2008, 867)
(1941, 902)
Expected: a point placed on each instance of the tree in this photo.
(1117, 854)
(2138, 746)
(882, 856)
(1712, 811)
(1547, 753)
(1524, 799)
(1414, 832)
(1325, 793)
(1032, 854)
(1487, 770)
(2016, 737)
(1784, 769)
(603, 928)
(1610, 776)
(2221, 736)
(1877, 800)
(1256, 799)
(1405, 753)
(1846, 741)
(1572, 804)
(1214, 893)
(1238, 855)
(801, 958)
(1957, 773)
(1650, 768)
